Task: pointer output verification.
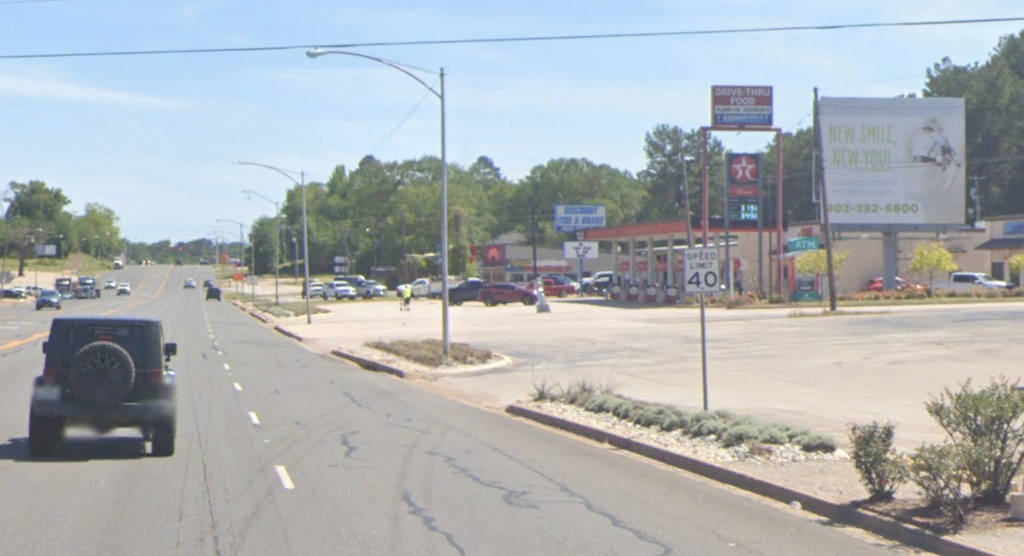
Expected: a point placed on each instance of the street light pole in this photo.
(305, 223)
(241, 241)
(317, 52)
(277, 243)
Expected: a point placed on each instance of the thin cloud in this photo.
(37, 88)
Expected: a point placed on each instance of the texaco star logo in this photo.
(744, 168)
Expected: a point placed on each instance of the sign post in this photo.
(700, 276)
(580, 250)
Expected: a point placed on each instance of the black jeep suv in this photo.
(104, 373)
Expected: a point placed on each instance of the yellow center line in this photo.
(16, 343)
(112, 311)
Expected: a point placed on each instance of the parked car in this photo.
(505, 292)
(552, 288)
(466, 291)
(124, 289)
(338, 289)
(371, 288)
(11, 293)
(354, 280)
(213, 292)
(878, 284)
(33, 290)
(49, 298)
(598, 283)
(316, 289)
(967, 281)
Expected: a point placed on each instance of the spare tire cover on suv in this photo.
(102, 373)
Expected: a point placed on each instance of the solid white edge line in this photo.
(238, 387)
(286, 480)
(254, 418)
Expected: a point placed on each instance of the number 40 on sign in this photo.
(700, 268)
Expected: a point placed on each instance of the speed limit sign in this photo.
(700, 271)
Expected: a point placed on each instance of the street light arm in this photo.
(317, 52)
(258, 194)
(269, 167)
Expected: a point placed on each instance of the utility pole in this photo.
(976, 195)
(824, 203)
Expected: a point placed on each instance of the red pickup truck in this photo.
(552, 288)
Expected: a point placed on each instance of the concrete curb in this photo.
(258, 317)
(289, 333)
(368, 364)
(840, 513)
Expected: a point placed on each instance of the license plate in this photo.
(47, 393)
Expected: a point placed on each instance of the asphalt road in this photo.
(282, 451)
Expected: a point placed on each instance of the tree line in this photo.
(386, 214)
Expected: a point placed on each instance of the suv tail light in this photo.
(155, 374)
(50, 375)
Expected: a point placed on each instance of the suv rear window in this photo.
(128, 336)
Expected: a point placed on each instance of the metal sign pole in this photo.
(703, 352)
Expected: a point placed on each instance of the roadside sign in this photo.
(700, 270)
(252, 279)
(580, 250)
(239, 276)
(802, 244)
(570, 218)
(741, 106)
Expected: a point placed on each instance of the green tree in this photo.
(666, 148)
(816, 261)
(994, 97)
(1016, 264)
(932, 257)
(797, 164)
(35, 212)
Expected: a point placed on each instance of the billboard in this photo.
(570, 218)
(894, 162)
(740, 106)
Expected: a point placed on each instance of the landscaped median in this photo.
(837, 512)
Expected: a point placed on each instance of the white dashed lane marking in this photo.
(238, 387)
(254, 418)
(286, 481)
(227, 367)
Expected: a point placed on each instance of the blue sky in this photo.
(153, 137)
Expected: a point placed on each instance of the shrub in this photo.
(700, 417)
(651, 416)
(674, 421)
(580, 393)
(709, 427)
(740, 434)
(794, 434)
(601, 403)
(817, 443)
(938, 471)
(881, 470)
(987, 428)
(772, 435)
(544, 393)
(622, 409)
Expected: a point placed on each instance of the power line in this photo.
(2, 2)
(522, 39)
